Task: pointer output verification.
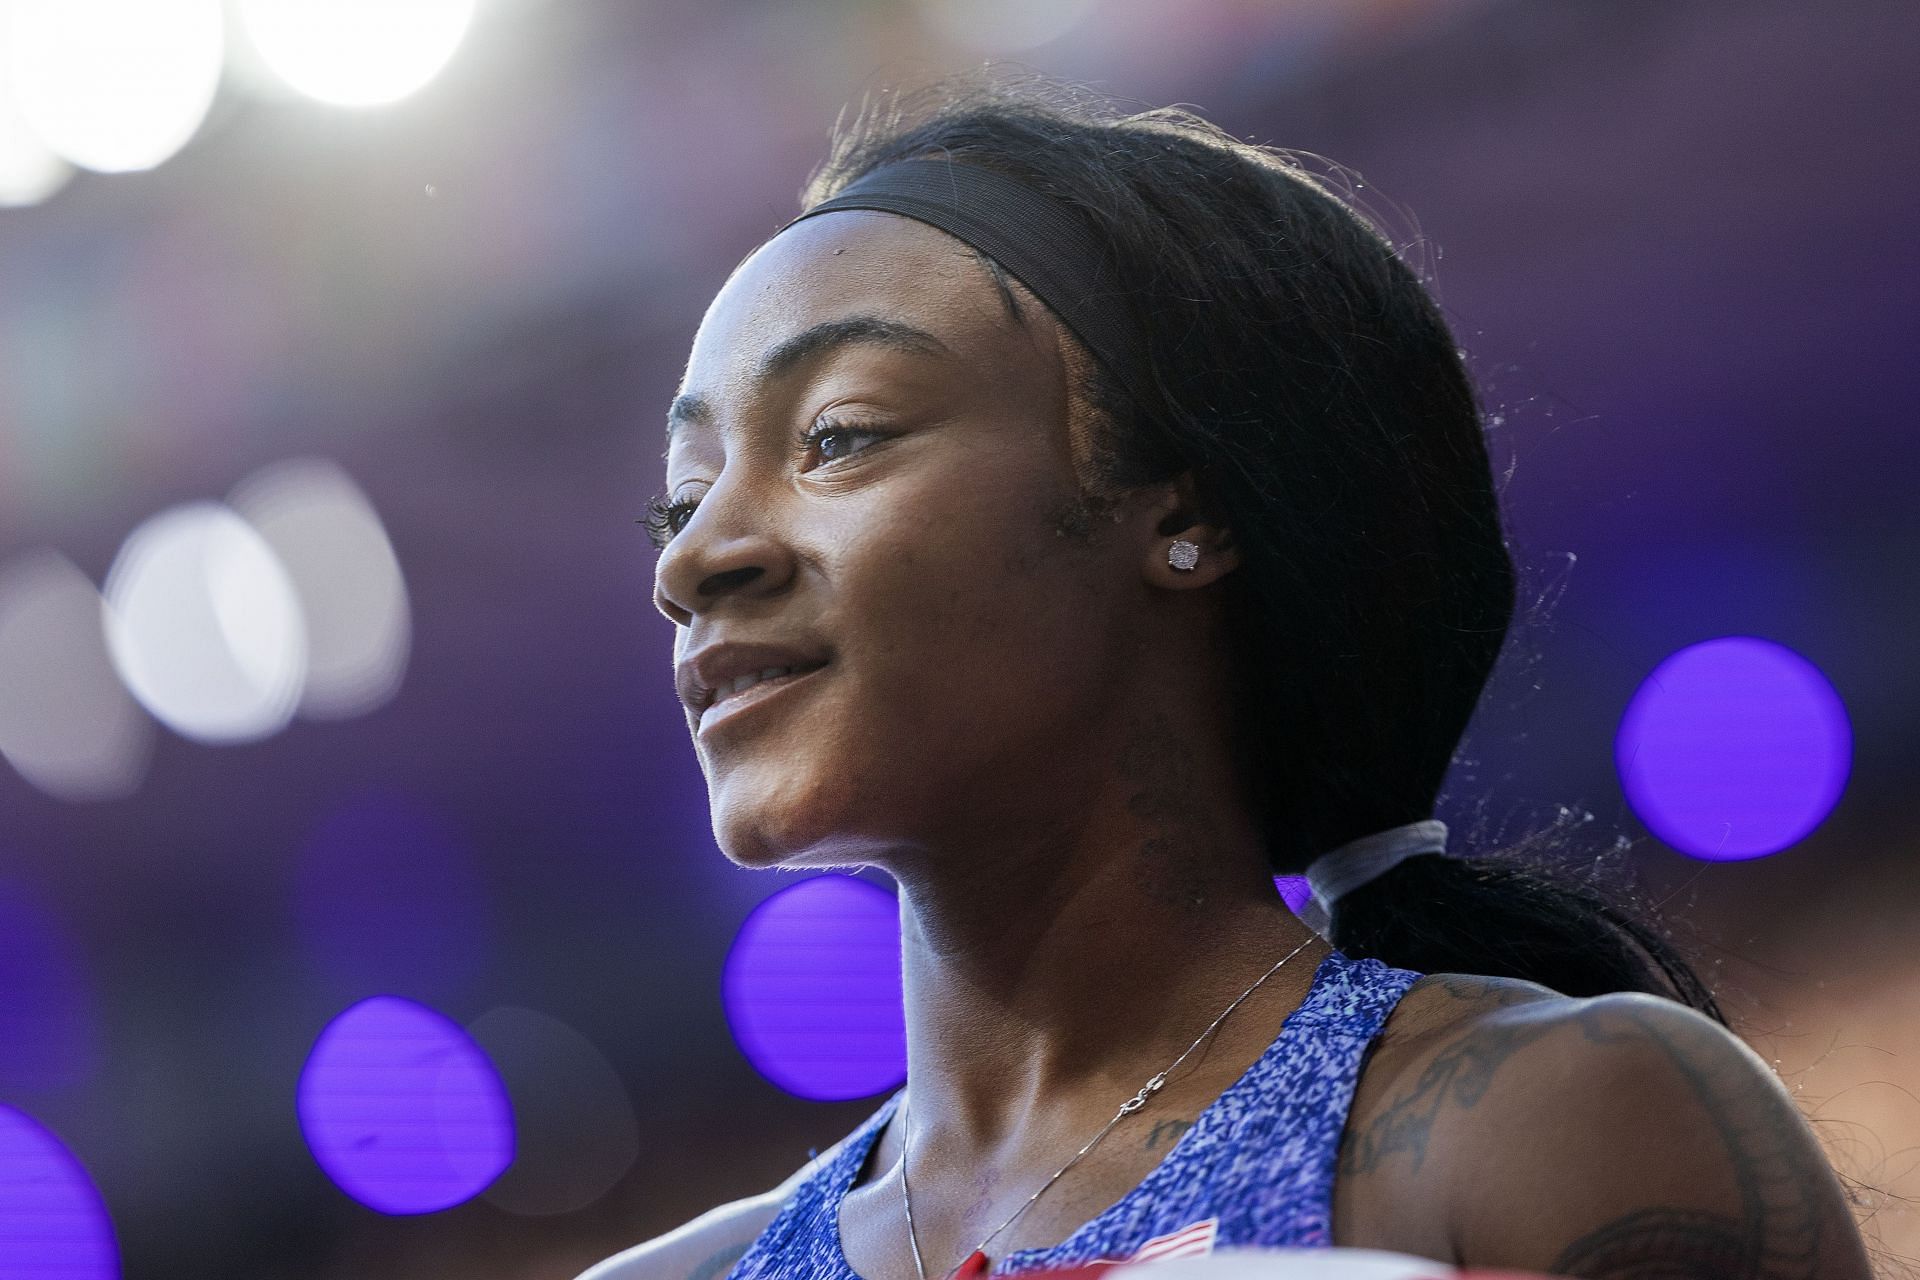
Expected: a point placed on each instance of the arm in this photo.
(1633, 1138)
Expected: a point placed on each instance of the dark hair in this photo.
(1299, 369)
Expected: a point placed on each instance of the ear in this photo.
(1176, 516)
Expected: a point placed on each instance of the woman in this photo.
(1083, 519)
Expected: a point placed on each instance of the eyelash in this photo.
(664, 519)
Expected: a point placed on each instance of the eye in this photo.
(833, 438)
(829, 437)
(664, 519)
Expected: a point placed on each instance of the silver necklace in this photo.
(975, 1263)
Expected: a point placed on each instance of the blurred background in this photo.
(359, 915)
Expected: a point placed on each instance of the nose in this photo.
(724, 550)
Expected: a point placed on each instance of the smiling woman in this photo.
(1083, 517)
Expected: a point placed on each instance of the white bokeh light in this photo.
(352, 595)
(575, 1132)
(114, 85)
(356, 53)
(66, 724)
(29, 173)
(204, 625)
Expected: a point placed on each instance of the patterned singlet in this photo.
(1256, 1168)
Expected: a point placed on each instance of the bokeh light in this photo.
(356, 52)
(204, 625)
(402, 1109)
(48, 1031)
(1294, 891)
(1734, 748)
(575, 1131)
(352, 597)
(53, 1221)
(114, 85)
(29, 173)
(812, 989)
(387, 897)
(66, 722)
(49, 1036)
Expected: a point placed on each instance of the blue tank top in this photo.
(1256, 1168)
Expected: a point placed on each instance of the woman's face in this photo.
(883, 467)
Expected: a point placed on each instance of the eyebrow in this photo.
(810, 344)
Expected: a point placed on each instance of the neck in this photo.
(1100, 1001)
(1047, 978)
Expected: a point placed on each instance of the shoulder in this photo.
(1439, 1011)
(1442, 1004)
(1609, 1134)
(1396, 1151)
(707, 1247)
(1439, 1037)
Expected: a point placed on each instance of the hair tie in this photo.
(1039, 240)
(1333, 875)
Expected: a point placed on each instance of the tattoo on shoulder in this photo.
(1661, 1244)
(1778, 1232)
(1469, 988)
(720, 1261)
(1459, 1074)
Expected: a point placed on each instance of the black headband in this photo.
(1038, 240)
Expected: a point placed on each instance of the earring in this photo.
(1183, 555)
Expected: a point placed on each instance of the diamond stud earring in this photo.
(1183, 555)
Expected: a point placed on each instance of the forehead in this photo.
(857, 263)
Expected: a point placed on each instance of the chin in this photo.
(790, 830)
(839, 798)
(837, 853)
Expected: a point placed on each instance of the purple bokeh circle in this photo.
(812, 989)
(1294, 891)
(48, 1033)
(402, 1109)
(53, 1221)
(1734, 748)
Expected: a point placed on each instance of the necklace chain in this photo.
(1127, 1108)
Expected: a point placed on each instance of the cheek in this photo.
(969, 638)
(979, 619)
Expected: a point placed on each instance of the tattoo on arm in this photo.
(1459, 1074)
(1660, 1244)
(1778, 1232)
(1501, 993)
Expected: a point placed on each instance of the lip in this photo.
(748, 699)
(698, 675)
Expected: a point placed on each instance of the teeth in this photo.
(746, 681)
